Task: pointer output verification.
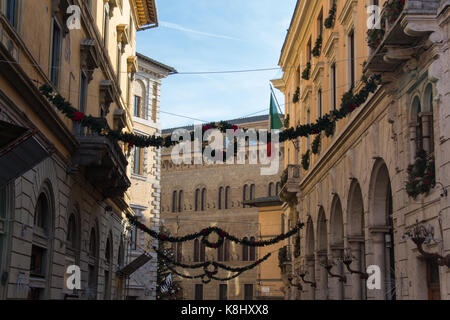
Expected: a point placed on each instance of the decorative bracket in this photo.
(89, 57)
(106, 94)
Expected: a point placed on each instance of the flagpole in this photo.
(273, 93)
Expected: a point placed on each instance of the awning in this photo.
(20, 151)
(134, 265)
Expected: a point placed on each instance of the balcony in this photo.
(104, 163)
(290, 181)
(401, 36)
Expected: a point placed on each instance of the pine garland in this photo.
(315, 146)
(205, 233)
(421, 175)
(307, 71)
(393, 9)
(317, 47)
(296, 96)
(305, 160)
(329, 22)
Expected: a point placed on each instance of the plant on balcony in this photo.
(393, 9)
(315, 146)
(317, 47)
(305, 160)
(286, 121)
(374, 37)
(329, 22)
(307, 71)
(421, 175)
(297, 246)
(296, 97)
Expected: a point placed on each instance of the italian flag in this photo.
(275, 121)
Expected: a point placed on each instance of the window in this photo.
(37, 262)
(180, 201)
(179, 256)
(133, 238)
(417, 110)
(252, 192)
(83, 91)
(244, 195)
(105, 25)
(219, 200)
(138, 163)
(226, 254)
(223, 290)
(319, 103)
(277, 188)
(10, 12)
(320, 23)
(227, 197)
(55, 63)
(252, 250)
(248, 291)
(174, 201)
(308, 51)
(204, 199)
(93, 243)
(41, 214)
(202, 252)
(245, 250)
(72, 234)
(197, 199)
(333, 86)
(196, 250)
(270, 191)
(351, 42)
(198, 292)
(137, 106)
(427, 120)
(220, 253)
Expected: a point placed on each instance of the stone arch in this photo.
(322, 254)
(356, 239)
(310, 260)
(337, 247)
(381, 229)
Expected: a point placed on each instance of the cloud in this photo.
(175, 26)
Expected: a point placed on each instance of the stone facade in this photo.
(67, 205)
(352, 198)
(145, 190)
(180, 217)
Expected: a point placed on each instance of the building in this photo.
(145, 190)
(352, 196)
(63, 189)
(197, 196)
(269, 282)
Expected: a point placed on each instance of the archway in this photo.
(381, 229)
(310, 261)
(356, 240)
(322, 254)
(337, 248)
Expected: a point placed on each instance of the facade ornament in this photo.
(88, 57)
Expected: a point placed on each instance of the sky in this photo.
(213, 35)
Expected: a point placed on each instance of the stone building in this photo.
(63, 190)
(145, 190)
(197, 196)
(352, 198)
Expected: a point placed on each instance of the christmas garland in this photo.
(329, 22)
(204, 234)
(421, 175)
(305, 160)
(315, 146)
(296, 96)
(307, 71)
(393, 9)
(317, 47)
(374, 37)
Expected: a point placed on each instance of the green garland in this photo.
(296, 96)
(307, 71)
(329, 131)
(204, 234)
(374, 37)
(305, 160)
(317, 47)
(393, 9)
(315, 146)
(421, 175)
(329, 22)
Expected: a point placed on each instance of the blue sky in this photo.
(212, 35)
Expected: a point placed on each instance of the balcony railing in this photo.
(104, 162)
(402, 27)
(290, 184)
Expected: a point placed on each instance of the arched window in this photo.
(41, 215)
(219, 200)
(416, 112)
(196, 251)
(179, 257)
(277, 188)
(252, 192)
(174, 201)
(226, 254)
(427, 119)
(245, 251)
(93, 243)
(252, 250)
(270, 191)
(180, 201)
(72, 233)
(202, 252)
(227, 197)
(197, 199)
(204, 199)
(244, 195)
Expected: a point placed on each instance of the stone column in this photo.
(378, 259)
(310, 265)
(338, 285)
(322, 285)
(356, 282)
